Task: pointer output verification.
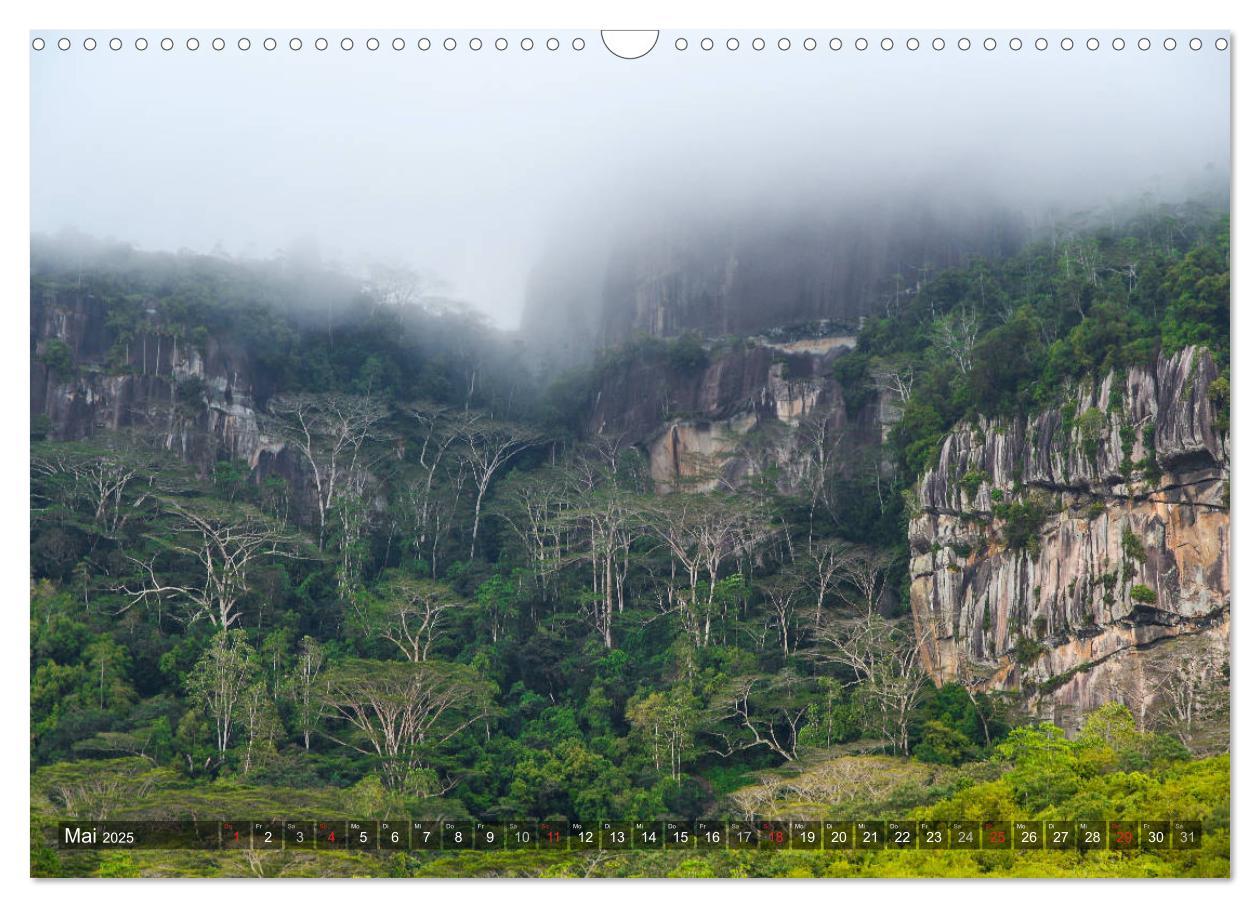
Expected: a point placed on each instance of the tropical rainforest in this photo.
(417, 583)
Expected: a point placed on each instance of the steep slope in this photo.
(735, 411)
(733, 271)
(1071, 556)
(196, 399)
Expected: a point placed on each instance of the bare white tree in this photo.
(738, 722)
(956, 333)
(781, 595)
(329, 432)
(303, 689)
(427, 501)
(821, 569)
(219, 680)
(411, 615)
(883, 661)
(226, 544)
(821, 442)
(398, 711)
(864, 571)
(895, 378)
(702, 533)
(1192, 693)
(488, 446)
(96, 483)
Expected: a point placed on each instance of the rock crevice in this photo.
(1053, 550)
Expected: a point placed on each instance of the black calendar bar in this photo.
(637, 835)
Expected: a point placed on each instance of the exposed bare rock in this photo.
(1127, 492)
(197, 400)
(734, 417)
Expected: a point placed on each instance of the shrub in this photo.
(971, 481)
(58, 359)
(1023, 523)
(1131, 545)
(1090, 424)
(1028, 651)
(1142, 593)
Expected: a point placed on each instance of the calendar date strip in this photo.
(699, 835)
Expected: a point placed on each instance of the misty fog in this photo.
(473, 167)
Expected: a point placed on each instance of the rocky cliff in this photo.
(196, 399)
(735, 271)
(1066, 557)
(740, 413)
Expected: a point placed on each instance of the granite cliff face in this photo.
(738, 415)
(736, 271)
(1067, 556)
(198, 400)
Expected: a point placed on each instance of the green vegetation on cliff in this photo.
(430, 597)
(1005, 337)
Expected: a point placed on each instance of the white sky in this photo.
(465, 162)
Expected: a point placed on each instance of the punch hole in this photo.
(38, 44)
(1221, 44)
(321, 44)
(1066, 44)
(167, 44)
(346, 44)
(500, 44)
(192, 44)
(990, 44)
(89, 44)
(938, 44)
(732, 44)
(269, 44)
(1041, 44)
(1144, 43)
(553, 44)
(141, 44)
(758, 44)
(912, 44)
(680, 44)
(398, 44)
(449, 44)
(424, 44)
(1118, 44)
(474, 44)
(860, 44)
(835, 44)
(886, 44)
(632, 44)
(1196, 44)
(1092, 44)
(964, 44)
(784, 44)
(116, 43)
(810, 44)
(295, 44)
(578, 44)
(1016, 44)
(706, 44)
(527, 44)
(1170, 44)
(373, 44)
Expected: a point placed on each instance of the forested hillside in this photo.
(302, 545)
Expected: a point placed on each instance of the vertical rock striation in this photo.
(738, 415)
(197, 400)
(1064, 555)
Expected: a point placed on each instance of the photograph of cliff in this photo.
(530, 443)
